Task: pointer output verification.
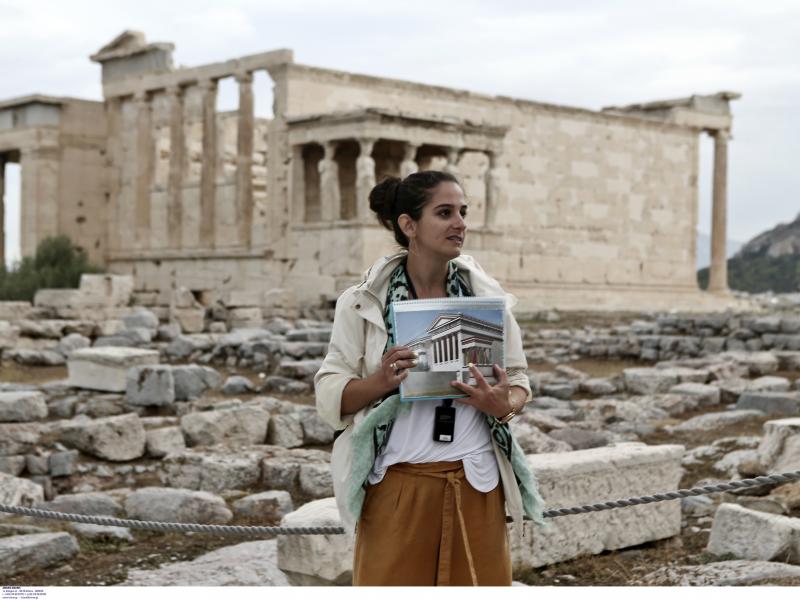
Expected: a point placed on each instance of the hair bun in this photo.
(382, 199)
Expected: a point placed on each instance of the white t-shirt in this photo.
(411, 441)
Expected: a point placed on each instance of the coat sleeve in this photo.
(342, 363)
(516, 362)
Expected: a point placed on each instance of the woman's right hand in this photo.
(395, 364)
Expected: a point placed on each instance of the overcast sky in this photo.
(581, 53)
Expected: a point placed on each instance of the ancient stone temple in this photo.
(569, 208)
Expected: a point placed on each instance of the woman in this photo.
(428, 513)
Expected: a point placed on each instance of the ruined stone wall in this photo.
(593, 208)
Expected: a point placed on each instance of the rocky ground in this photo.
(219, 427)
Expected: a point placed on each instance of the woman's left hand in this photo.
(493, 400)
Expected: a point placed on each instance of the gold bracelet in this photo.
(507, 418)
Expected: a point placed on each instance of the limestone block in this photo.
(725, 573)
(51, 329)
(183, 298)
(320, 334)
(236, 385)
(141, 318)
(240, 425)
(106, 369)
(213, 470)
(299, 369)
(769, 383)
(101, 533)
(533, 441)
(707, 395)
(245, 317)
(106, 290)
(316, 431)
(9, 335)
(176, 506)
(595, 475)
(580, 439)
(72, 342)
(598, 386)
(22, 406)
(191, 381)
(36, 358)
(110, 327)
(150, 385)
(779, 451)
(12, 465)
(714, 420)
(757, 363)
(14, 310)
(90, 503)
(161, 442)
(20, 553)
(17, 491)
(316, 480)
(644, 380)
(788, 361)
(316, 559)
(246, 563)
(234, 298)
(282, 469)
(62, 464)
(118, 438)
(184, 346)
(771, 403)
(18, 438)
(264, 508)
(754, 535)
(285, 431)
(191, 320)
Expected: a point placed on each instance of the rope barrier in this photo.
(257, 531)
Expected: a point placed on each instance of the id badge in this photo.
(444, 424)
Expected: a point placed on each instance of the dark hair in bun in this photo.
(393, 197)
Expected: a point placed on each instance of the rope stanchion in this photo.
(257, 531)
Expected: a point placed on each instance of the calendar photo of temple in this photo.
(445, 343)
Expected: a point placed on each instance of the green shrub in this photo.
(58, 263)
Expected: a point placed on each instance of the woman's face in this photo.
(441, 229)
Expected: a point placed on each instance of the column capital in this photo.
(207, 85)
(330, 149)
(174, 91)
(141, 97)
(722, 135)
(365, 145)
(244, 77)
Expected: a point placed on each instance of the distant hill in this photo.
(768, 262)
(704, 249)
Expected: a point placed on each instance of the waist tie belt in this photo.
(453, 473)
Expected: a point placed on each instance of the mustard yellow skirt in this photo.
(424, 524)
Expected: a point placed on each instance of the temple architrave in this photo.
(569, 208)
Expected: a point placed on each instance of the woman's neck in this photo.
(428, 275)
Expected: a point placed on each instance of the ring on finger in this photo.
(392, 366)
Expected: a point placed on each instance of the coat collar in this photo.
(371, 292)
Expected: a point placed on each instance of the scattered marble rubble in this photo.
(140, 391)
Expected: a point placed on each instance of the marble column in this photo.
(453, 155)
(208, 172)
(365, 178)
(492, 193)
(145, 155)
(40, 185)
(329, 194)
(297, 185)
(177, 152)
(2, 211)
(409, 164)
(718, 273)
(244, 159)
